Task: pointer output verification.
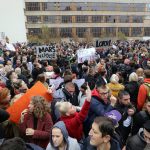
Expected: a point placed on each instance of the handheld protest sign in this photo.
(46, 52)
(23, 102)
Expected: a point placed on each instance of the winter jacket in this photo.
(114, 145)
(139, 119)
(3, 116)
(41, 133)
(72, 143)
(125, 124)
(142, 94)
(63, 94)
(97, 108)
(136, 142)
(133, 88)
(74, 123)
(115, 88)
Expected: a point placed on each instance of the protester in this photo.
(140, 141)
(127, 110)
(59, 138)
(132, 87)
(101, 103)
(140, 118)
(143, 94)
(114, 85)
(72, 119)
(101, 136)
(36, 122)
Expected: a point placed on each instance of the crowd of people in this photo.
(103, 104)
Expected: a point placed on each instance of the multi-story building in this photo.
(68, 18)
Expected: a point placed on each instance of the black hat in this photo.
(147, 125)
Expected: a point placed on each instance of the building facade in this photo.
(99, 18)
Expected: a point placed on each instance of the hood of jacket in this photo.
(147, 80)
(95, 94)
(63, 129)
(140, 135)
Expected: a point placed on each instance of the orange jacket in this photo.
(142, 94)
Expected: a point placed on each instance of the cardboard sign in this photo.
(86, 54)
(46, 52)
(23, 102)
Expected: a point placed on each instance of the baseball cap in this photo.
(114, 115)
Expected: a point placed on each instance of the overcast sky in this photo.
(12, 20)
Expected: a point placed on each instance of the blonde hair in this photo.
(114, 78)
(63, 107)
(133, 77)
(140, 72)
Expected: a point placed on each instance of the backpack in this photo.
(147, 86)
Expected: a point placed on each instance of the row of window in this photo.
(96, 32)
(85, 19)
(86, 6)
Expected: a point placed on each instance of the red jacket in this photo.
(74, 123)
(142, 95)
(42, 133)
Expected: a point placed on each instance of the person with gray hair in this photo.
(21, 76)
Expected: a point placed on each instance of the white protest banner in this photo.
(86, 54)
(10, 47)
(46, 52)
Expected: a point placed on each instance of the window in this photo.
(148, 7)
(66, 19)
(137, 31)
(147, 31)
(80, 32)
(137, 19)
(49, 19)
(66, 32)
(82, 6)
(53, 32)
(64, 6)
(34, 19)
(32, 6)
(81, 19)
(97, 18)
(123, 19)
(49, 6)
(137, 7)
(110, 19)
(111, 31)
(124, 30)
(34, 31)
(96, 32)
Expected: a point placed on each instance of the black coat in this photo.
(136, 142)
(122, 130)
(3, 116)
(139, 119)
(133, 88)
(113, 142)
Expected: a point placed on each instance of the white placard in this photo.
(10, 47)
(86, 54)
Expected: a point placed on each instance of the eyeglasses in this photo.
(103, 93)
